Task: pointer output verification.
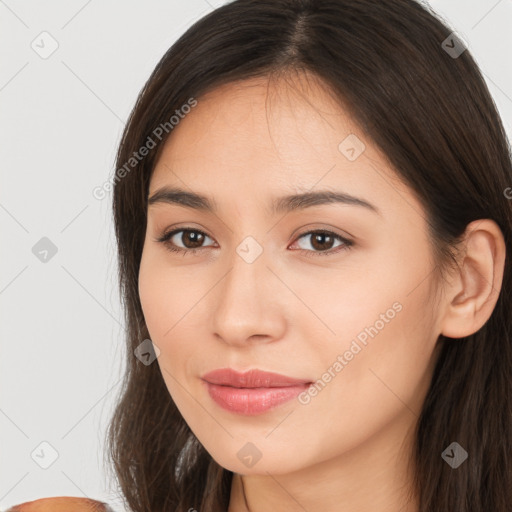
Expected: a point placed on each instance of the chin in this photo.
(248, 460)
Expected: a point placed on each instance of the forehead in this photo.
(281, 117)
(258, 138)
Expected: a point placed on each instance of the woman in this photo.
(376, 376)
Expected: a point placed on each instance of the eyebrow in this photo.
(292, 202)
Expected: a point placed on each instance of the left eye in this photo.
(320, 238)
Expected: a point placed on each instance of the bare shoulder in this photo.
(61, 504)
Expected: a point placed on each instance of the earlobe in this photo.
(473, 294)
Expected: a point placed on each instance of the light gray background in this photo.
(61, 120)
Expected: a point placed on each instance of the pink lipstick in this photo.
(253, 392)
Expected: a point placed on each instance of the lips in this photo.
(253, 392)
(251, 379)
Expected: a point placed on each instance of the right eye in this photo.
(193, 236)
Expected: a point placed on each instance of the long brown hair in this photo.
(402, 75)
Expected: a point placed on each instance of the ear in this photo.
(475, 289)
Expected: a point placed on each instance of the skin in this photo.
(60, 504)
(349, 447)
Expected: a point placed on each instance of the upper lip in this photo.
(250, 379)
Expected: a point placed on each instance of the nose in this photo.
(249, 304)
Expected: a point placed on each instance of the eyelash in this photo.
(347, 244)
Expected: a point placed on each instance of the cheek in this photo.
(386, 378)
(169, 298)
(345, 299)
(379, 360)
(166, 294)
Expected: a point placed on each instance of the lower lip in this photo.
(251, 401)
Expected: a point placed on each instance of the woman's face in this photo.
(356, 318)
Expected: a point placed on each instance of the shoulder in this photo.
(61, 504)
